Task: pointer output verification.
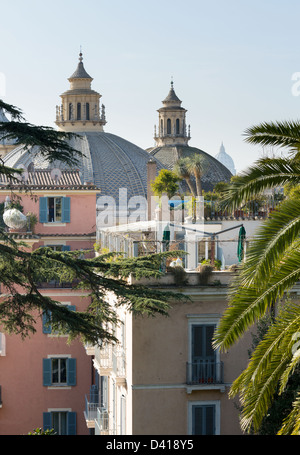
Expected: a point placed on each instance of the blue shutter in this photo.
(66, 206)
(47, 421)
(71, 372)
(66, 248)
(71, 307)
(46, 320)
(71, 423)
(43, 209)
(47, 372)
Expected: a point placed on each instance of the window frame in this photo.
(71, 373)
(203, 403)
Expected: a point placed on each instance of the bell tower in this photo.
(80, 105)
(172, 128)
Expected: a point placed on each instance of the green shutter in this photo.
(66, 206)
(43, 209)
(47, 421)
(46, 322)
(71, 423)
(66, 248)
(47, 372)
(71, 372)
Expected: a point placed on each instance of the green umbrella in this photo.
(166, 237)
(240, 248)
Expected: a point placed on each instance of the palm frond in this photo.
(291, 424)
(271, 242)
(270, 363)
(264, 174)
(247, 304)
(278, 134)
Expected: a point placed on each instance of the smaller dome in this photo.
(226, 159)
(215, 171)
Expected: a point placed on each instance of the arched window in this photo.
(87, 107)
(70, 111)
(169, 126)
(177, 126)
(78, 111)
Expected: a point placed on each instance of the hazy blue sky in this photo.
(232, 63)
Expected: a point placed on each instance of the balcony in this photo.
(205, 374)
(91, 406)
(103, 426)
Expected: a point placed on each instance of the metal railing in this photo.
(204, 372)
(91, 407)
(103, 425)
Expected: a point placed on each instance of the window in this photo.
(87, 111)
(177, 126)
(78, 111)
(70, 111)
(204, 418)
(59, 371)
(204, 366)
(46, 318)
(62, 422)
(55, 209)
(169, 126)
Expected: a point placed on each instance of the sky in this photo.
(234, 64)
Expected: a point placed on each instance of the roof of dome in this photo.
(80, 72)
(215, 172)
(109, 162)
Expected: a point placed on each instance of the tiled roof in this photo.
(45, 179)
(80, 73)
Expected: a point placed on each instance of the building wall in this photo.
(24, 398)
(161, 350)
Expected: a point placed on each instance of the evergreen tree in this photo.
(21, 271)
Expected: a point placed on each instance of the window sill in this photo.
(59, 387)
(53, 223)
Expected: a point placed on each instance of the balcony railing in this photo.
(205, 372)
(103, 425)
(91, 403)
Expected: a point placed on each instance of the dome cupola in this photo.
(80, 107)
(172, 124)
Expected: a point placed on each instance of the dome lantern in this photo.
(172, 129)
(80, 107)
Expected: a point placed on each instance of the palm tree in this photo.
(270, 270)
(183, 171)
(196, 165)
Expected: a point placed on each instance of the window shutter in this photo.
(46, 320)
(47, 421)
(66, 206)
(71, 372)
(71, 307)
(71, 423)
(47, 372)
(43, 209)
(66, 248)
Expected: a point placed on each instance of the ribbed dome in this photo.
(109, 162)
(215, 171)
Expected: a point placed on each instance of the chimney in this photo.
(151, 175)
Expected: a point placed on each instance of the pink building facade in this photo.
(43, 379)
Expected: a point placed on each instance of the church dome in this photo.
(109, 161)
(226, 159)
(172, 137)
